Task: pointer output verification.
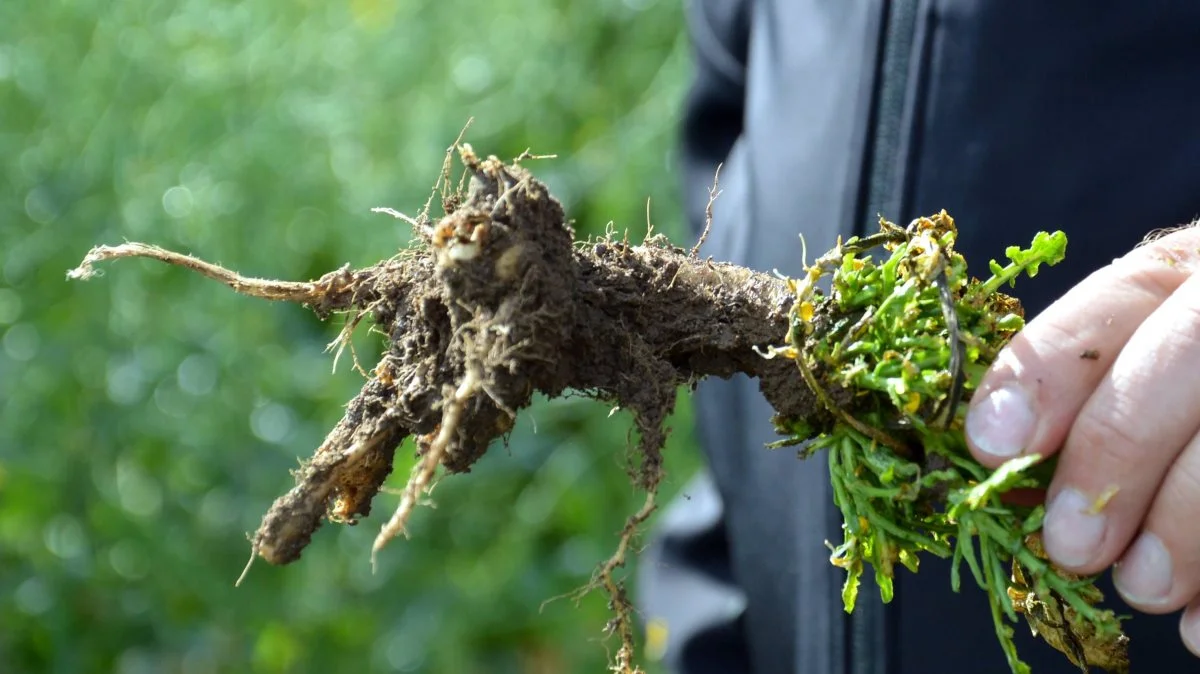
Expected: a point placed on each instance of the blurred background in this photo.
(149, 417)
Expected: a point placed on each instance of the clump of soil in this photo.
(498, 302)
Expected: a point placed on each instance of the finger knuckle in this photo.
(1159, 268)
(1114, 443)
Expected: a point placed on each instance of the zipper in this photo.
(870, 632)
(898, 38)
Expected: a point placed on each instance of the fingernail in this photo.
(1189, 630)
(1002, 423)
(1143, 575)
(1072, 533)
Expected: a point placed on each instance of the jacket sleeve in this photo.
(692, 608)
(686, 593)
(713, 114)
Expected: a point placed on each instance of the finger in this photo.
(1029, 398)
(1160, 571)
(1129, 432)
(1189, 627)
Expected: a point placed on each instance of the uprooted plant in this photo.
(497, 301)
(893, 354)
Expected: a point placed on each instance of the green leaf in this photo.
(956, 567)
(1007, 476)
(886, 588)
(850, 588)
(1033, 522)
(1010, 322)
(966, 544)
(1047, 248)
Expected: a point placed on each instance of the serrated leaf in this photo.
(850, 589)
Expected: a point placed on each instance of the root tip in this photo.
(83, 272)
(249, 563)
(86, 268)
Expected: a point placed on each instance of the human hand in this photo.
(1108, 377)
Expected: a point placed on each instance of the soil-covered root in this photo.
(496, 302)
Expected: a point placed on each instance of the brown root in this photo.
(454, 406)
(497, 303)
(332, 292)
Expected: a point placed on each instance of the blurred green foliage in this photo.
(150, 417)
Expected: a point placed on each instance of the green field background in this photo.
(149, 417)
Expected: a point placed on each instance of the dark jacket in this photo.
(1015, 116)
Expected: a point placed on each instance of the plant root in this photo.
(421, 480)
(332, 292)
(497, 302)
